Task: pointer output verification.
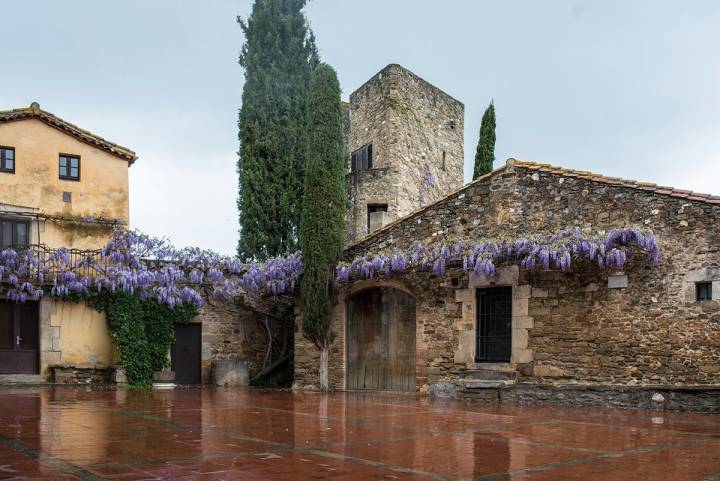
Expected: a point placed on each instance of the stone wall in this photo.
(417, 136)
(586, 326)
(236, 331)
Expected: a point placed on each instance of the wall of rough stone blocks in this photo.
(235, 331)
(576, 328)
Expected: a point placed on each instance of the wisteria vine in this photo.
(133, 262)
(607, 251)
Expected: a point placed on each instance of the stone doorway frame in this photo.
(466, 326)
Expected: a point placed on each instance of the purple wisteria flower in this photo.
(556, 251)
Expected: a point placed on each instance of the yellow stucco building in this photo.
(60, 186)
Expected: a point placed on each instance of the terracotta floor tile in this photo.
(253, 434)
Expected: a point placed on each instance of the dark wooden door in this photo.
(494, 324)
(19, 338)
(380, 340)
(185, 353)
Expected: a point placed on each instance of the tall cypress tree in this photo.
(323, 210)
(485, 153)
(278, 57)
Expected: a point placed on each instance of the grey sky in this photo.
(629, 89)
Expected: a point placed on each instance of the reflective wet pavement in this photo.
(248, 434)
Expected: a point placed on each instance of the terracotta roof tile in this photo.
(634, 184)
(35, 112)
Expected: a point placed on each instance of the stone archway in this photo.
(380, 339)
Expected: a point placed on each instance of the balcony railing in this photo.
(49, 261)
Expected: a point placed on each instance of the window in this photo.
(7, 160)
(375, 222)
(703, 291)
(362, 158)
(14, 233)
(67, 196)
(69, 167)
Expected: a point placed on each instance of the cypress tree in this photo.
(485, 153)
(323, 210)
(278, 56)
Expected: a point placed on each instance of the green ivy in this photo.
(143, 331)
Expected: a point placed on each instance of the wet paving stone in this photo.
(67, 433)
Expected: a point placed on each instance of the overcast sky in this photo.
(629, 89)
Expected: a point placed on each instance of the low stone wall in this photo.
(68, 374)
(660, 398)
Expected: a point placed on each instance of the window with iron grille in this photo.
(703, 291)
(7, 160)
(362, 158)
(14, 233)
(69, 167)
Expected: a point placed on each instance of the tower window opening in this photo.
(362, 158)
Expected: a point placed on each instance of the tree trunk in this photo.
(324, 384)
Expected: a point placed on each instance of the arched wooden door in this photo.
(380, 340)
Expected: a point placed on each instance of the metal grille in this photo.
(494, 324)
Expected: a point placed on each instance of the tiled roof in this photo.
(35, 112)
(635, 184)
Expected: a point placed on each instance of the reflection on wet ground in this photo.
(251, 434)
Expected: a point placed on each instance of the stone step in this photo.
(489, 375)
(483, 384)
(21, 379)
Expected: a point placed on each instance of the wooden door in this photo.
(380, 340)
(19, 338)
(494, 324)
(185, 354)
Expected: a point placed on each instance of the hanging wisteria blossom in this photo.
(481, 257)
(136, 263)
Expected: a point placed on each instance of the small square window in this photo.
(703, 291)
(69, 167)
(7, 160)
(67, 196)
(371, 209)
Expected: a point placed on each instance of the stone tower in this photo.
(405, 137)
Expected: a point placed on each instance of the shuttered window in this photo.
(362, 158)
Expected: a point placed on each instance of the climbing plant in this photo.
(143, 331)
(607, 251)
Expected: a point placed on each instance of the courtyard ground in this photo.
(251, 434)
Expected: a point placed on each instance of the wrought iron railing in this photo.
(50, 261)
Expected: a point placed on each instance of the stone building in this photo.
(405, 138)
(646, 336)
